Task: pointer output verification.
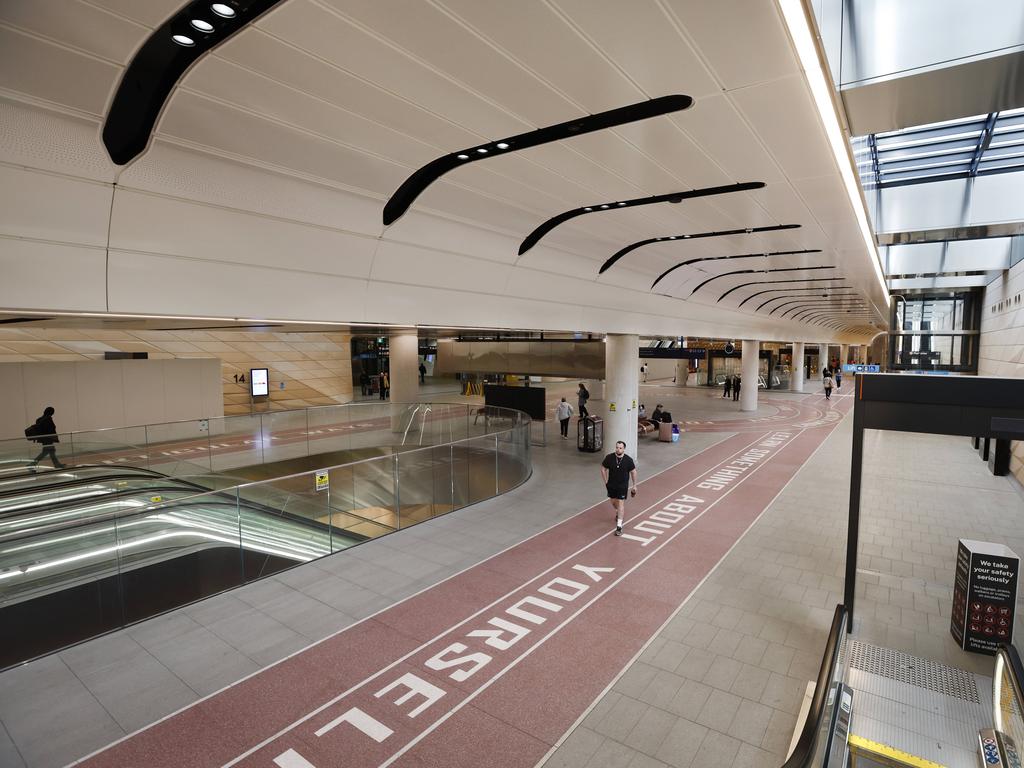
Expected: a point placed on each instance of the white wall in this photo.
(1002, 338)
(109, 393)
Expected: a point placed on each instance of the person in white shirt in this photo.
(563, 412)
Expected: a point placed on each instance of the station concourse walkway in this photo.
(696, 649)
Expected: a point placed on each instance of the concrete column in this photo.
(823, 357)
(682, 372)
(621, 391)
(796, 376)
(404, 373)
(844, 354)
(750, 365)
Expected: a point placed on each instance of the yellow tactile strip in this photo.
(888, 755)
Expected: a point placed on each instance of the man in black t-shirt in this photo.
(617, 470)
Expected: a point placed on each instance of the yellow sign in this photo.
(155, 499)
(634, 405)
(611, 407)
(323, 480)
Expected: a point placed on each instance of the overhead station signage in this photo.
(673, 354)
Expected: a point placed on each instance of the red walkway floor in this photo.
(493, 665)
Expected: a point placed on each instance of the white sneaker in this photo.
(618, 530)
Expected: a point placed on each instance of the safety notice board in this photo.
(984, 595)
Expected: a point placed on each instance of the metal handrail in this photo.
(236, 490)
(803, 752)
(1006, 656)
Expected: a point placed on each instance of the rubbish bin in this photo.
(590, 434)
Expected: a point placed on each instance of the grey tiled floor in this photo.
(64, 706)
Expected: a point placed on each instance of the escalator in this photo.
(875, 706)
(93, 549)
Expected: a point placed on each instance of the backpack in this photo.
(32, 431)
(584, 394)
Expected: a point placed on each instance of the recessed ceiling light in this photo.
(620, 203)
(605, 205)
(202, 26)
(482, 150)
(463, 157)
(672, 238)
(184, 40)
(502, 145)
(686, 236)
(588, 209)
(225, 11)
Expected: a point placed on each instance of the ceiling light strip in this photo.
(748, 272)
(798, 21)
(672, 197)
(414, 186)
(789, 290)
(724, 233)
(159, 64)
(738, 256)
(806, 296)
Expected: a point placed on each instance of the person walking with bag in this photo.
(617, 470)
(828, 387)
(44, 432)
(582, 395)
(563, 412)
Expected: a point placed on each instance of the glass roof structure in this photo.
(954, 149)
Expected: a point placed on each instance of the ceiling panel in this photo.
(44, 70)
(535, 35)
(76, 24)
(642, 41)
(151, 13)
(744, 42)
(788, 125)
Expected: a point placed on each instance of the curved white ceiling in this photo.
(264, 184)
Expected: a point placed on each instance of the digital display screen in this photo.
(259, 382)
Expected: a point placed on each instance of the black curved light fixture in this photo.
(796, 312)
(788, 290)
(807, 312)
(672, 197)
(413, 186)
(775, 282)
(727, 258)
(786, 300)
(158, 65)
(815, 298)
(753, 272)
(724, 233)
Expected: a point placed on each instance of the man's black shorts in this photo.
(617, 493)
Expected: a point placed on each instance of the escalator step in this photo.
(883, 754)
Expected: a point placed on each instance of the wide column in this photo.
(403, 353)
(682, 372)
(621, 391)
(844, 355)
(822, 357)
(750, 365)
(796, 373)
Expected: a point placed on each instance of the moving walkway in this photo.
(875, 706)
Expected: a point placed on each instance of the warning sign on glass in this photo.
(984, 595)
(259, 382)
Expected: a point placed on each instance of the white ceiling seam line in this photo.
(50, 106)
(117, 15)
(65, 46)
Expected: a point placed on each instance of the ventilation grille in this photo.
(913, 670)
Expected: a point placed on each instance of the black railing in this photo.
(804, 751)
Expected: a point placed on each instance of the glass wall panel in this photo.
(481, 453)
(373, 492)
(416, 486)
(285, 435)
(182, 448)
(236, 441)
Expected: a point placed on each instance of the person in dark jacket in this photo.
(46, 435)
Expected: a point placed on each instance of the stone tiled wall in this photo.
(315, 368)
(1002, 338)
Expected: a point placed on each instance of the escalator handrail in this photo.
(139, 473)
(803, 752)
(1011, 660)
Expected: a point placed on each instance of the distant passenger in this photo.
(643, 371)
(617, 470)
(656, 416)
(839, 377)
(385, 385)
(423, 372)
(828, 387)
(642, 412)
(727, 390)
(582, 395)
(736, 382)
(364, 383)
(45, 433)
(563, 412)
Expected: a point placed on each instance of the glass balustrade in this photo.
(103, 554)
